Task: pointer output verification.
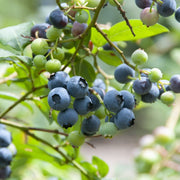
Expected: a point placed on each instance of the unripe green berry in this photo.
(58, 53)
(39, 61)
(155, 75)
(108, 129)
(53, 33)
(100, 113)
(163, 135)
(82, 16)
(139, 57)
(150, 156)
(53, 65)
(167, 97)
(76, 139)
(39, 46)
(147, 141)
(27, 51)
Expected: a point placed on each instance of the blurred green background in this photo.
(164, 53)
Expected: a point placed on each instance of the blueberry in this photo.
(175, 83)
(99, 83)
(59, 99)
(78, 28)
(40, 29)
(143, 3)
(167, 8)
(67, 118)
(95, 101)
(129, 101)
(5, 157)
(123, 72)
(108, 47)
(83, 105)
(152, 95)
(177, 14)
(5, 138)
(77, 87)
(113, 100)
(142, 86)
(58, 19)
(5, 172)
(59, 79)
(124, 118)
(90, 125)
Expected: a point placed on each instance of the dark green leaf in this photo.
(85, 69)
(14, 36)
(121, 32)
(102, 167)
(109, 57)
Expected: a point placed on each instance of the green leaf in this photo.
(12, 97)
(102, 167)
(96, 38)
(109, 57)
(13, 36)
(121, 32)
(85, 69)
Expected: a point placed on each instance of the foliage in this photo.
(24, 95)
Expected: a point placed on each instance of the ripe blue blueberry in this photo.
(124, 118)
(143, 3)
(175, 83)
(142, 86)
(67, 118)
(77, 87)
(40, 30)
(5, 138)
(113, 100)
(83, 105)
(59, 79)
(58, 19)
(167, 8)
(177, 14)
(5, 172)
(129, 101)
(95, 101)
(59, 99)
(99, 83)
(5, 157)
(90, 125)
(123, 72)
(152, 95)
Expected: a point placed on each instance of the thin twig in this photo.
(123, 13)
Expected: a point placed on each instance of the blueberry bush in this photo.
(72, 70)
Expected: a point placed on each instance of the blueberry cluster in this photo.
(6, 152)
(72, 97)
(149, 85)
(150, 15)
(47, 50)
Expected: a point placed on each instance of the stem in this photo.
(10, 77)
(123, 13)
(113, 45)
(26, 130)
(20, 100)
(84, 34)
(175, 114)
